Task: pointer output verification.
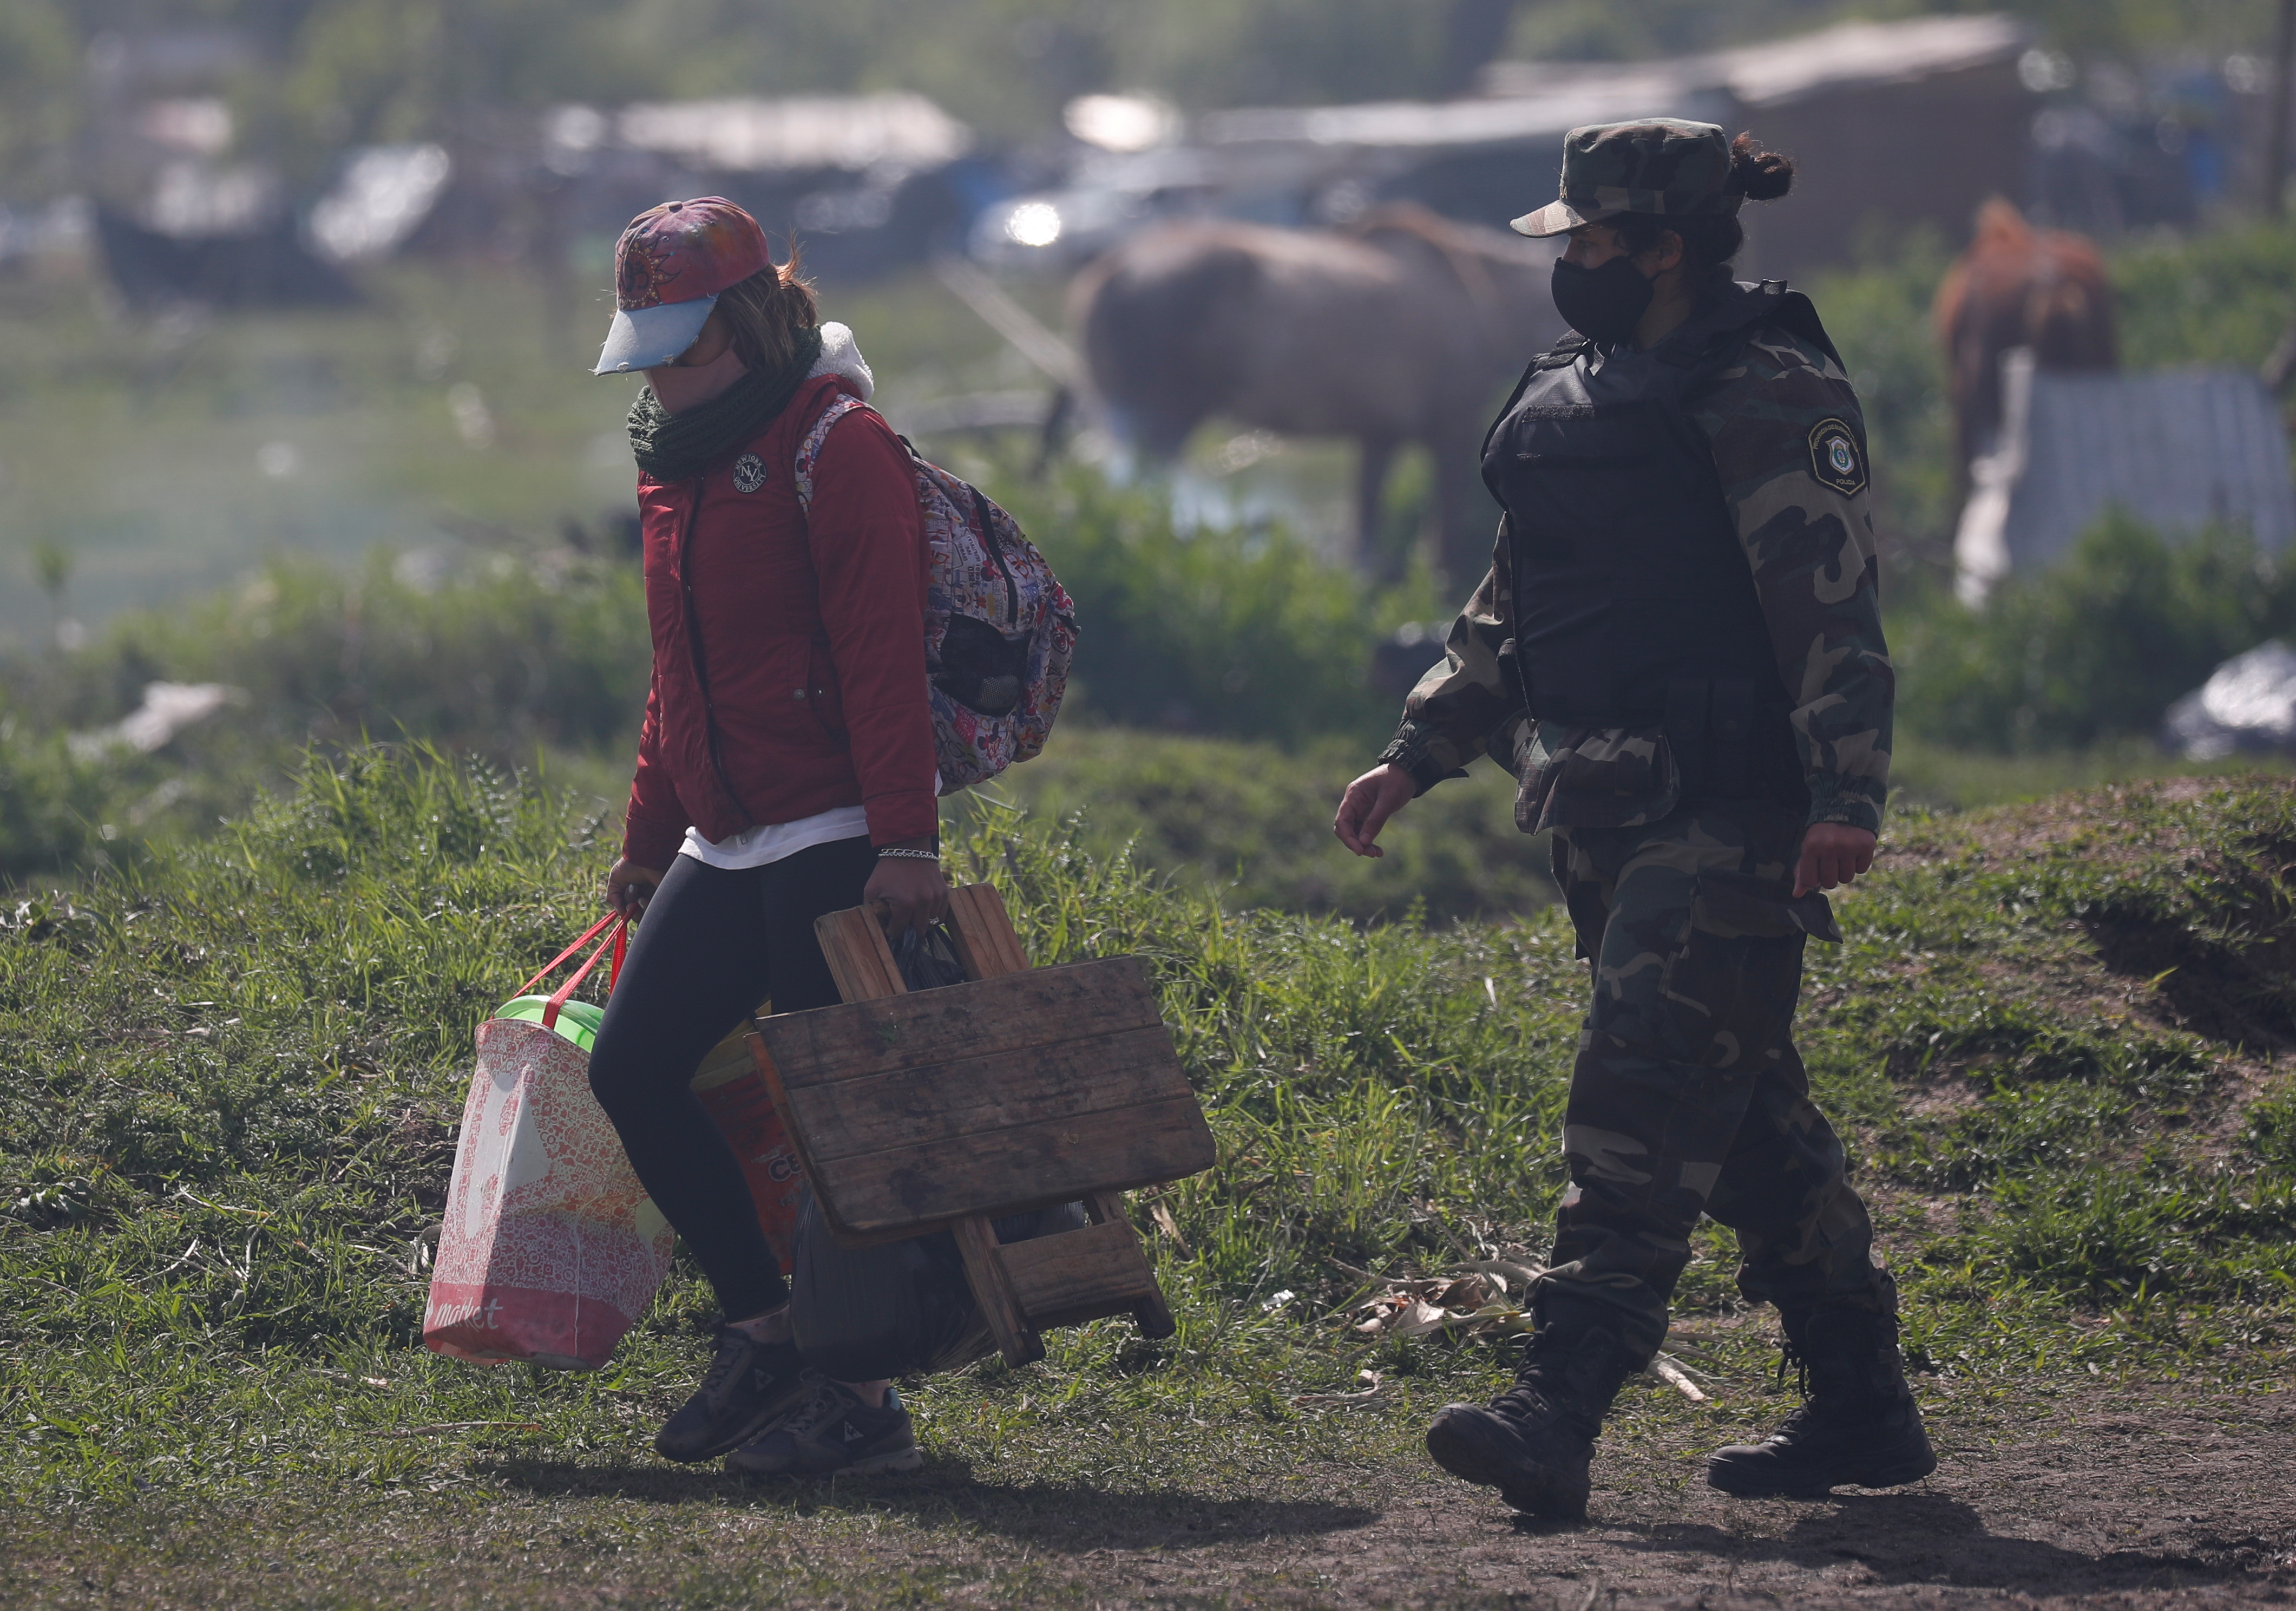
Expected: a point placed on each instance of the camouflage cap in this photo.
(1654, 165)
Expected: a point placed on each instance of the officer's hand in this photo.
(1833, 853)
(1370, 801)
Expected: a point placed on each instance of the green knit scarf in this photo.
(672, 447)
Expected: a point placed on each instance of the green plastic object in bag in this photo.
(577, 1021)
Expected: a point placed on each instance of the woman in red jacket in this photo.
(785, 769)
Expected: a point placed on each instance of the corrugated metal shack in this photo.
(1907, 122)
(2180, 449)
(870, 181)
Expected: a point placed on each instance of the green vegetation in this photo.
(1254, 822)
(1879, 317)
(1247, 633)
(1941, 778)
(237, 1065)
(511, 659)
(2094, 648)
(521, 653)
(2218, 297)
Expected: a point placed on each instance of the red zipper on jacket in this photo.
(694, 652)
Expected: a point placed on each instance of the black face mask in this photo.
(1601, 304)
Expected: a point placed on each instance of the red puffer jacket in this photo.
(788, 660)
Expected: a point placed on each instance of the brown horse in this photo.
(1403, 327)
(2017, 286)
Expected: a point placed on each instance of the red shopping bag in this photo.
(551, 1247)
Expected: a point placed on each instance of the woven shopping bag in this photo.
(551, 1247)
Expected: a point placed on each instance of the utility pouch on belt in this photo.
(1729, 742)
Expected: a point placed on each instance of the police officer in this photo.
(1678, 652)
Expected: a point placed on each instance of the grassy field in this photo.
(2055, 1037)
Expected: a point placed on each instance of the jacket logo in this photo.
(1834, 460)
(749, 473)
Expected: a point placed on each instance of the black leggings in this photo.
(715, 942)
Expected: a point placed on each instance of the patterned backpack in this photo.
(1000, 629)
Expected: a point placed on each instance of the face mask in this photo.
(679, 387)
(1601, 304)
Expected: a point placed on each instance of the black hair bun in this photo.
(1758, 174)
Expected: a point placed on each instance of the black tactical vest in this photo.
(1634, 604)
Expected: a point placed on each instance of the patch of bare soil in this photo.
(2138, 1499)
(2162, 1503)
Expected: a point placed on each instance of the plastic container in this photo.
(577, 1021)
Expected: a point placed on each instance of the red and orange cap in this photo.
(668, 267)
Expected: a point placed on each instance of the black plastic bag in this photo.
(928, 963)
(899, 1308)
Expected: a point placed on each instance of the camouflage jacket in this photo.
(1811, 549)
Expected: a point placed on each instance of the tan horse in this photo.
(1401, 328)
(2017, 286)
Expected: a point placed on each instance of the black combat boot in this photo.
(1535, 1440)
(1858, 1422)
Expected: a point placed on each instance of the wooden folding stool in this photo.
(949, 1108)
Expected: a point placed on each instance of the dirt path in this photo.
(2164, 1499)
(2099, 1509)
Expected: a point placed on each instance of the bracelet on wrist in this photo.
(904, 853)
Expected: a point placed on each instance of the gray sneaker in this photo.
(748, 1387)
(834, 1434)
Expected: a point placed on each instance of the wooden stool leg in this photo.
(1016, 1339)
(1151, 1313)
(982, 928)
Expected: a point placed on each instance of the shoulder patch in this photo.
(1835, 459)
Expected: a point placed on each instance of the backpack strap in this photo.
(809, 451)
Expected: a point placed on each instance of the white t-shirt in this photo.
(770, 842)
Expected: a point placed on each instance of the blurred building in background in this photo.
(1908, 122)
(870, 184)
(177, 215)
(1902, 124)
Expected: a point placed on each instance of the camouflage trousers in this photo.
(1688, 1095)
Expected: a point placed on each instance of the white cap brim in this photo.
(646, 338)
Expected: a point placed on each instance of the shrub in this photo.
(2219, 298)
(2097, 646)
(505, 655)
(49, 804)
(1250, 634)
(1245, 633)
